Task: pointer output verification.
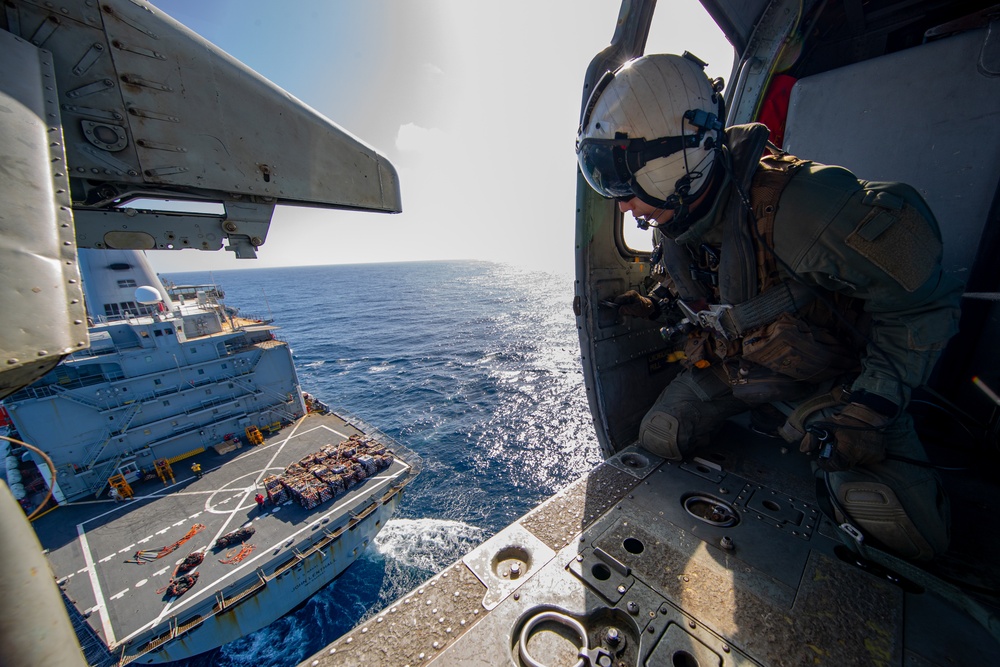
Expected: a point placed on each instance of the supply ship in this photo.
(161, 435)
(198, 493)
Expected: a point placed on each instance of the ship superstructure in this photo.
(182, 434)
(162, 379)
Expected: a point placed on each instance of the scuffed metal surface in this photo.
(559, 520)
(415, 628)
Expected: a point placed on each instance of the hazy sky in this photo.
(475, 103)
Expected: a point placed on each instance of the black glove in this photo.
(636, 305)
(856, 436)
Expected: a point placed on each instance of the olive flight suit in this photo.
(874, 251)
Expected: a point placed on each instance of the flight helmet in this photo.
(652, 129)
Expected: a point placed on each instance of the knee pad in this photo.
(876, 509)
(659, 434)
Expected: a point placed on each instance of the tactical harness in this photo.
(776, 296)
(769, 327)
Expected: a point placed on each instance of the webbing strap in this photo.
(983, 615)
(776, 296)
(772, 176)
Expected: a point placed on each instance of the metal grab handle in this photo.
(556, 617)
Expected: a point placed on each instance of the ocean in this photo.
(474, 366)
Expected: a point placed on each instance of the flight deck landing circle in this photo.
(234, 487)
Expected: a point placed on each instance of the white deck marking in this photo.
(141, 582)
(109, 633)
(119, 595)
(81, 570)
(277, 451)
(195, 515)
(128, 548)
(144, 540)
(160, 532)
(159, 572)
(180, 523)
(106, 559)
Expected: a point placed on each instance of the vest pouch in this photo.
(698, 351)
(791, 347)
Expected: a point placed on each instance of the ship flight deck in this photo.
(93, 546)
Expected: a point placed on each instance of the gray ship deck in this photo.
(90, 543)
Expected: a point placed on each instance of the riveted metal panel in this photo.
(41, 296)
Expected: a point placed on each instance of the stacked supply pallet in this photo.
(276, 492)
(320, 476)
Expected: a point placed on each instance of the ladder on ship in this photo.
(119, 428)
(279, 407)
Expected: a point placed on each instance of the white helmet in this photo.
(651, 130)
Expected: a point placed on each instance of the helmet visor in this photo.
(603, 164)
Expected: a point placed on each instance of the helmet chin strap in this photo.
(681, 210)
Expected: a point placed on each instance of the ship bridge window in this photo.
(138, 309)
(201, 371)
(127, 283)
(144, 334)
(112, 310)
(157, 332)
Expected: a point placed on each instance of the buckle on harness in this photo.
(707, 319)
(853, 532)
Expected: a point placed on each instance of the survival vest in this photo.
(780, 326)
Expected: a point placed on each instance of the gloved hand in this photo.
(856, 436)
(636, 305)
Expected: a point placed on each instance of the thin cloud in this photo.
(432, 69)
(412, 137)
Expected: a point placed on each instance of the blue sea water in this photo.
(474, 366)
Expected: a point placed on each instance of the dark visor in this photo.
(609, 165)
(602, 162)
